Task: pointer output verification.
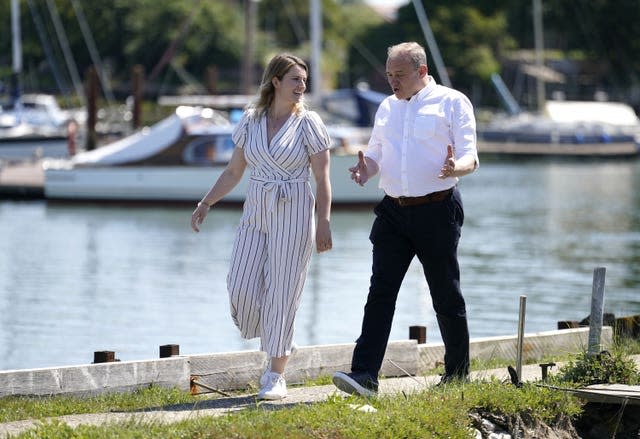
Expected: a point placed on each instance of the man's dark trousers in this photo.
(431, 232)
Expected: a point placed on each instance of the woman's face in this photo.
(292, 85)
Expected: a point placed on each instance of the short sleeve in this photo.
(239, 134)
(315, 133)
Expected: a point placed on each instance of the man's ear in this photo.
(423, 70)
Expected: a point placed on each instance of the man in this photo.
(423, 139)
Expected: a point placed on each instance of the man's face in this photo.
(403, 76)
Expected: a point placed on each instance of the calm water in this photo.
(78, 279)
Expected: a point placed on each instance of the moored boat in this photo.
(36, 127)
(177, 160)
(564, 129)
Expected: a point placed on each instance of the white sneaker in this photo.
(265, 376)
(273, 386)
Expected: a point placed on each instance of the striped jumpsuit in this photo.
(274, 239)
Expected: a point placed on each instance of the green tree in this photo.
(285, 26)
(470, 38)
(605, 31)
(129, 32)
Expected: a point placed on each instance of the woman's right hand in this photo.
(198, 215)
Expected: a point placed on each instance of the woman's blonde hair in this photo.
(277, 68)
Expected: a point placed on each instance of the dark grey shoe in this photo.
(356, 383)
(452, 379)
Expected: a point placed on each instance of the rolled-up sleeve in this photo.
(374, 148)
(464, 129)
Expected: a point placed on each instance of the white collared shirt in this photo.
(410, 137)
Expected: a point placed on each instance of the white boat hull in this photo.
(180, 183)
(602, 149)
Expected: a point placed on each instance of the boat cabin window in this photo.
(208, 150)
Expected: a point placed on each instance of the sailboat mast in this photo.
(17, 50)
(539, 50)
(316, 50)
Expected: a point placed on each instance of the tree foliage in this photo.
(469, 37)
(177, 40)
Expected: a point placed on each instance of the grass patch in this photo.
(604, 368)
(14, 408)
(438, 412)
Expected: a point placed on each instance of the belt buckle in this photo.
(401, 201)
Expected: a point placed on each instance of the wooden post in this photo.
(169, 350)
(523, 308)
(545, 369)
(211, 79)
(568, 324)
(138, 87)
(418, 333)
(92, 107)
(627, 326)
(597, 306)
(104, 357)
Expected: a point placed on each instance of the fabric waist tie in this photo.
(278, 189)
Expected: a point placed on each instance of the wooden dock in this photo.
(608, 393)
(22, 180)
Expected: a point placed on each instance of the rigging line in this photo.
(298, 30)
(93, 51)
(431, 41)
(369, 57)
(64, 43)
(168, 74)
(187, 77)
(173, 47)
(46, 46)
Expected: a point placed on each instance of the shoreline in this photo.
(204, 373)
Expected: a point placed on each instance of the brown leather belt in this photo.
(429, 198)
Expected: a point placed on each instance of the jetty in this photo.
(220, 372)
(405, 360)
(22, 180)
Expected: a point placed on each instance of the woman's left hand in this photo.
(198, 216)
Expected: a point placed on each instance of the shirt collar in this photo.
(431, 85)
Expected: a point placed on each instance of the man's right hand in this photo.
(360, 172)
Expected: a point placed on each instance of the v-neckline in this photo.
(276, 132)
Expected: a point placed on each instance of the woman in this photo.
(279, 140)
